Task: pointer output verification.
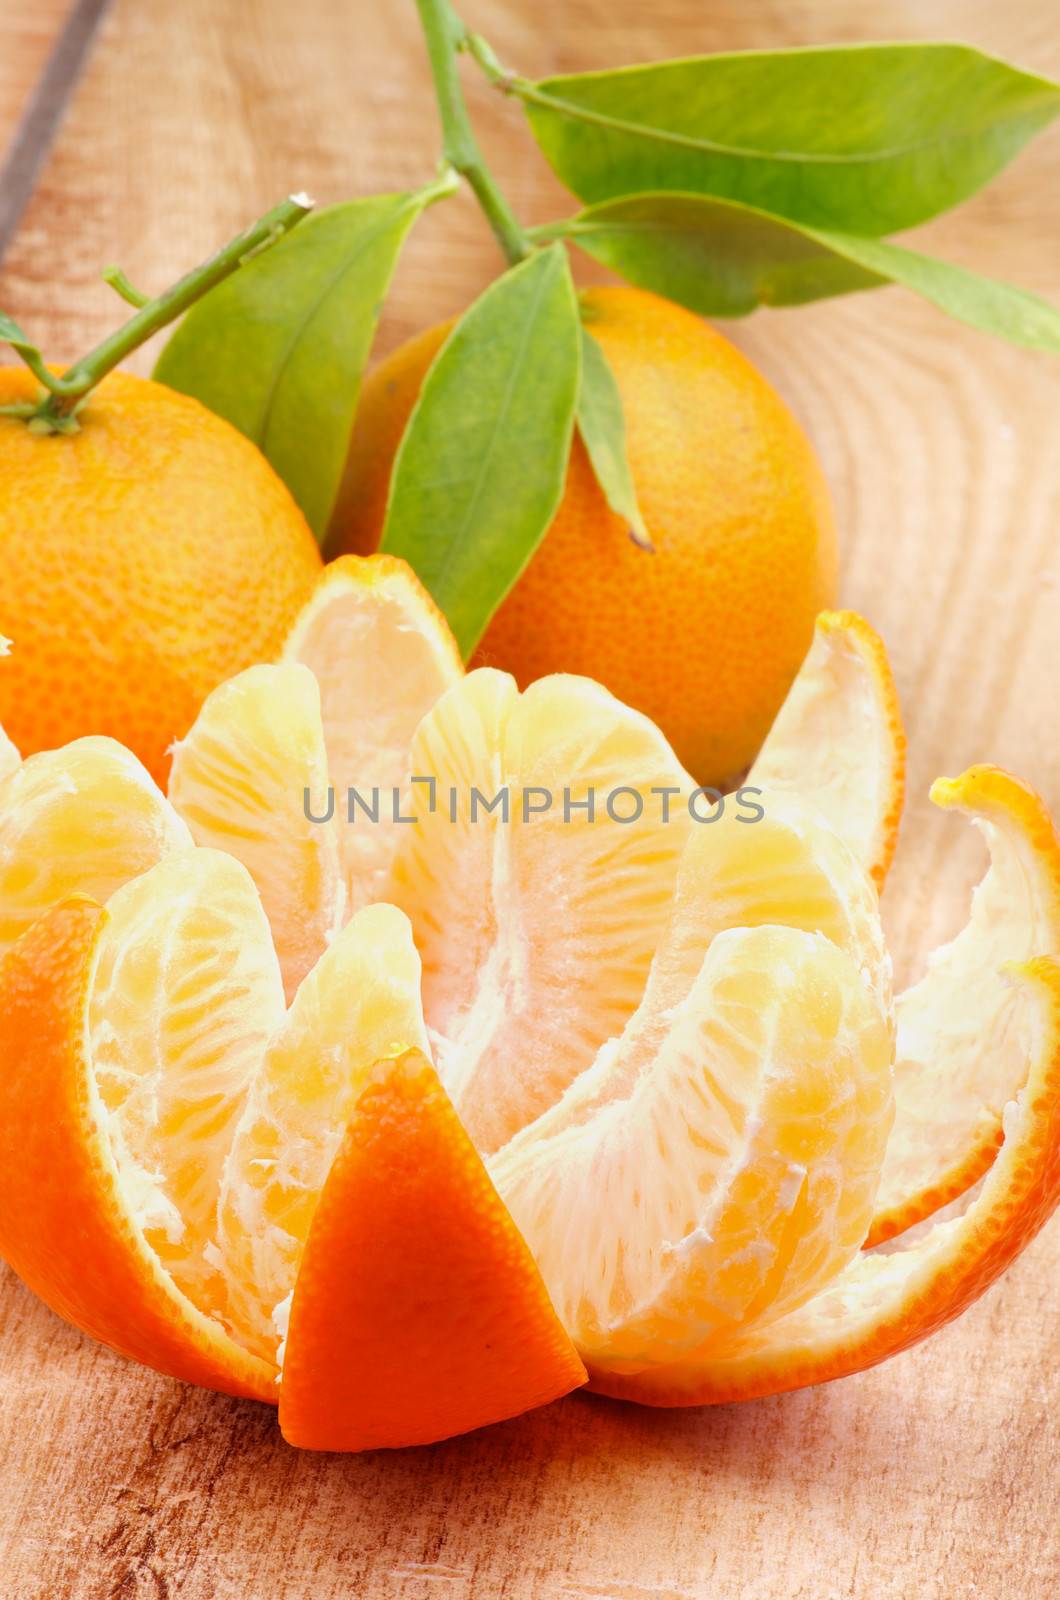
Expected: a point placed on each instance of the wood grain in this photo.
(934, 1475)
(27, 34)
(32, 101)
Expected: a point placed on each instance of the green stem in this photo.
(445, 35)
(68, 391)
(511, 83)
(117, 280)
(11, 334)
(483, 54)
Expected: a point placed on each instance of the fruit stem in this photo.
(68, 391)
(500, 77)
(511, 83)
(485, 57)
(445, 36)
(117, 280)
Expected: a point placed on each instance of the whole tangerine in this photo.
(705, 632)
(143, 559)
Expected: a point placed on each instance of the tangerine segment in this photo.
(536, 926)
(360, 1003)
(418, 1312)
(718, 1163)
(787, 867)
(186, 996)
(250, 778)
(382, 653)
(838, 743)
(84, 818)
(960, 1057)
(886, 1301)
(66, 1226)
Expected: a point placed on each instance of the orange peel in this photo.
(959, 1059)
(66, 1226)
(885, 1302)
(416, 1294)
(690, 1162)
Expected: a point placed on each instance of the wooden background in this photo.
(934, 1476)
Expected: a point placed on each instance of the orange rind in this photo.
(959, 1059)
(68, 1223)
(884, 1302)
(674, 1111)
(416, 1293)
(360, 1004)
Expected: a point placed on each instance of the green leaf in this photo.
(714, 256)
(863, 138)
(723, 259)
(998, 308)
(481, 468)
(279, 349)
(602, 425)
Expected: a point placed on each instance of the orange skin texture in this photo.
(418, 1312)
(63, 1225)
(706, 634)
(890, 823)
(142, 561)
(878, 663)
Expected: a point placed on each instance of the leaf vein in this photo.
(502, 412)
(261, 433)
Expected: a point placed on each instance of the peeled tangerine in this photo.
(412, 1126)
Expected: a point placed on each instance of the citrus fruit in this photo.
(536, 921)
(267, 768)
(718, 1162)
(184, 999)
(788, 869)
(416, 1295)
(961, 1057)
(125, 1048)
(248, 778)
(705, 634)
(716, 1273)
(176, 1132)
(884, 1302)
(142, 560)
(382, 654)
(838, 742)
(360, 1004)
(83, 818)
(668, 1032)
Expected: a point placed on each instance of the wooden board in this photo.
(27, 34)
(41, 56)
(933, 1476)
